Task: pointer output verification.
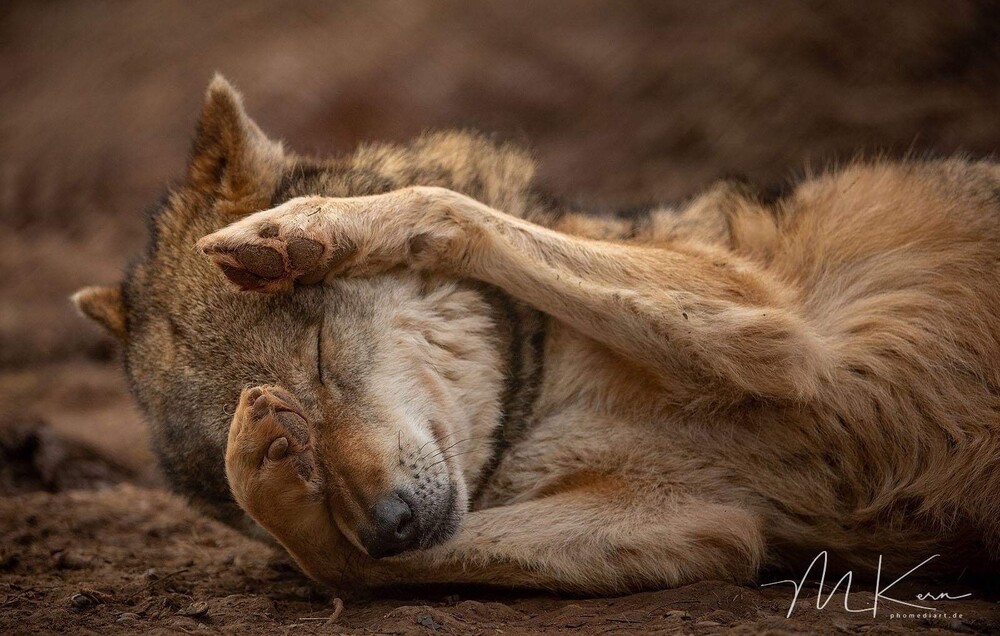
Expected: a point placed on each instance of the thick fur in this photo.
(579, 402)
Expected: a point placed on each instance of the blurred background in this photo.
(623, 103)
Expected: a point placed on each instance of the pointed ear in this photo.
(105, 306)
(231, 157)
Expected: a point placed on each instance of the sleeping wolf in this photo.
(439, 373)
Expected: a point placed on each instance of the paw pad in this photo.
(304, 254)
(278, 449)
(261, 260)
(269, 261)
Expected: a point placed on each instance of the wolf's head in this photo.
(404, 376)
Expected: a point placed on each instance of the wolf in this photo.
(411, 364)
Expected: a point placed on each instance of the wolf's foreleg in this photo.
(606, 540)
(691, 314)
(599, 535)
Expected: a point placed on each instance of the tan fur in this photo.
(725, 386)
(103, 305)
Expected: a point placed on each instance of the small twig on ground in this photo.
(338, 609)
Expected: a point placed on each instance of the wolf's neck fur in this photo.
(521, 334)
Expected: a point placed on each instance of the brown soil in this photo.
(126, 558)
(623, 105)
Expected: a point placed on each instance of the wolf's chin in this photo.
(445, 525)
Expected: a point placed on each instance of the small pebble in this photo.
(428, 621)
(195, 610)
(83, 600)
(303, 591)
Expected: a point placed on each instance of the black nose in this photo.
(395, 527)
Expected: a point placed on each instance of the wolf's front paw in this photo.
(309, 239)
(269, 459)
(270, 251)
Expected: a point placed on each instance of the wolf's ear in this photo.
(103, 305)
(231, 157)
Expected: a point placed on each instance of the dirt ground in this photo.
(623, 102)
